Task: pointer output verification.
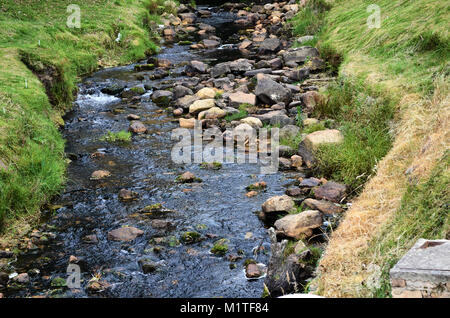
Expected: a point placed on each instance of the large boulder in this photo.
(281, 120)
(188, 18)
(206, 93)
(267, 117)
(299, 225)
(241, 65)
(187, 123)
(270, 92)
(186, 101)
(132, 92)
(196, 67)
(124, 234)
(310, 100)
(162, 98)
(282, 203)
(285, 275)
(298, 75)
(323, 206)
(252, 121)
(331, 191)
(210, 44)
(201, 105)
(212, 113)
(220, 69)
(180, 91)
(236, 99)
(289, 131)
(137, 127)
(243, 130)
(300, 55)
(323, 137)
(269, 45)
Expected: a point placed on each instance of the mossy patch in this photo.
(220, 247)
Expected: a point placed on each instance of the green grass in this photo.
(408, 56)
(313, 128)
(423, 214)
(309, 21)
(412, 43)
(292, 141)
(363, 115)
(33, 33)
(220, 247)
(120, 136)
(240, 115)
(30, 144)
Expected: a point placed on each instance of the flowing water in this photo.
(216, 208)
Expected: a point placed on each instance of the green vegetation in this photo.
(412, 45)
(58, 282)
(309, 21)
(423, 214)
(190, 237)
(240, 115)
(314, 127)
(35, 34)
(211, 165)
(402, 67)
(292, 141)
(363, 115)
(220, 247)
(120, 137)
(31, 148)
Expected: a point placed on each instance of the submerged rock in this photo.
(97, 286)
(253, 271)
(100, 174)
(188, 177)
(147, 265)
(125, 234)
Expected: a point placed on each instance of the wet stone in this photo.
(148, 266)
(100, 174)
(137, 127)
(187, 177)
(253, 271)
(325, 207)
(125, 234)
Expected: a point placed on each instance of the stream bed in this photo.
(216, 208)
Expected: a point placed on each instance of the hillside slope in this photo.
(408, 59)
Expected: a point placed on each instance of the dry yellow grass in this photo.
(408, 58)
(422, 136)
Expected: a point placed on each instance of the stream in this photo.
(216, 208)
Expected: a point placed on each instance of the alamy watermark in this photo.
(73, 280)
(374, 20)
(74, 19)
(211, 145)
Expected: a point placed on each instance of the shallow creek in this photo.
(216, 208)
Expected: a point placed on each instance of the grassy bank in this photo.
(404, 66)
(35, 43)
